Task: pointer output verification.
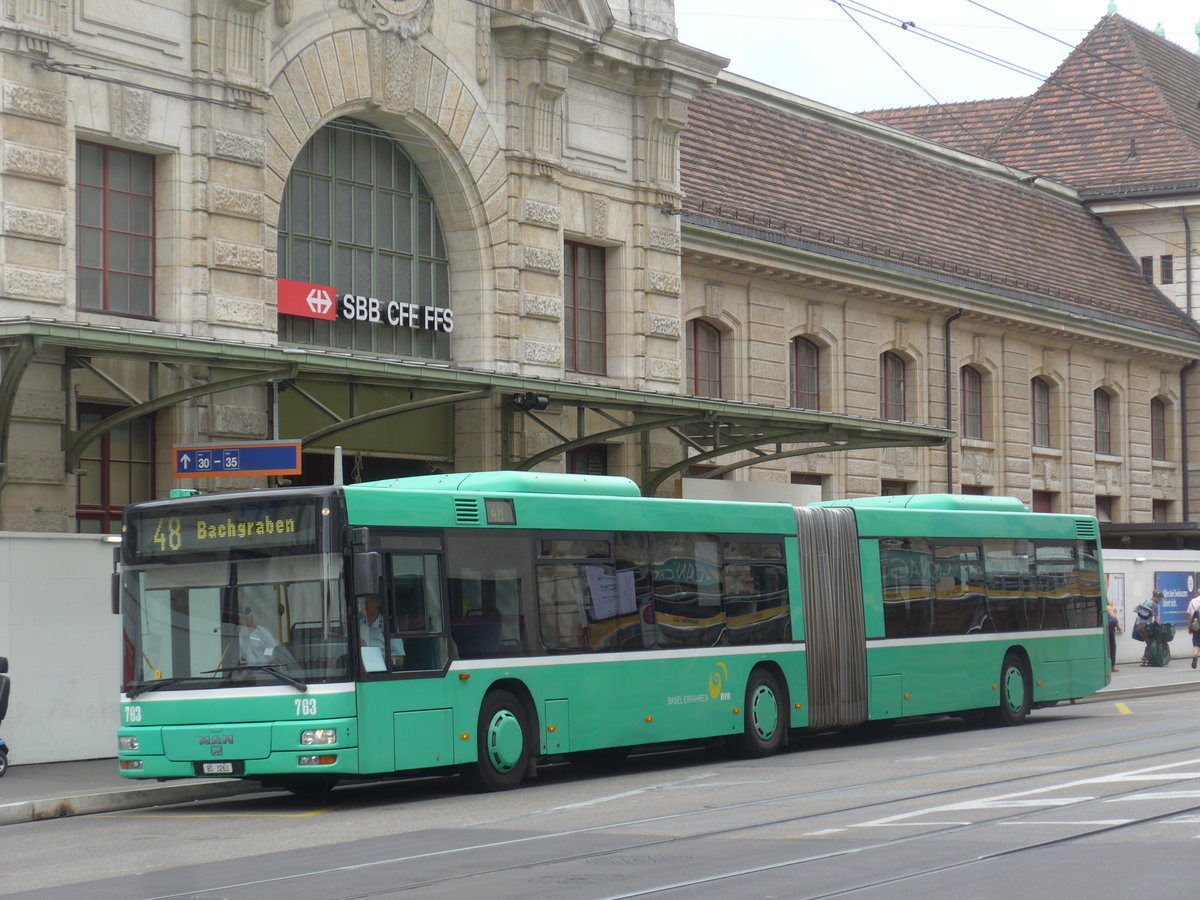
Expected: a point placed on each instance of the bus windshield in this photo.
(248, 610)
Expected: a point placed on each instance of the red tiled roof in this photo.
(969, 126)
(797, 177)
(1118, 115)
(1120, 112)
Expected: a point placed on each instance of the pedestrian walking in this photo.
(1114, 628)
(1193, 620)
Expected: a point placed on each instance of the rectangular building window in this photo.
(1158, 429)
(114, 215)
(1166, 269)
(583, 309)
(704, 359)
(972, 403)
(1042, 501)
(1040, 408)
(1148, 269)
(1102, 421)
(118, 469)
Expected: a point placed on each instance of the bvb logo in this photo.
(716, 679)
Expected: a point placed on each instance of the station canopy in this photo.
(707, 430)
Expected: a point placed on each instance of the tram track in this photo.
(460, 880)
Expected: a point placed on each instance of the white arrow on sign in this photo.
(185, 462)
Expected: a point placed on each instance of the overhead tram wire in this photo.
(912, 27)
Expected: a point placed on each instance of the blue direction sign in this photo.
(250, 458)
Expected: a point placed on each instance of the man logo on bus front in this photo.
(319, 301)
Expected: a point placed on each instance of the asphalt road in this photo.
(1088, 799)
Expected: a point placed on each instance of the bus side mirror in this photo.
(368, 574)
(116, 582)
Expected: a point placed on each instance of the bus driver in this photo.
(371, 633)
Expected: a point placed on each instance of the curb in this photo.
(110, 801)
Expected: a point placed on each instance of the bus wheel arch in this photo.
(1015, 688)
(765, 713)
(505, 737)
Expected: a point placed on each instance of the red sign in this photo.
(298, 298)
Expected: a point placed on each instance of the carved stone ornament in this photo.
(408, 18)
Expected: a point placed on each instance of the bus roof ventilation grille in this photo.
(1087, 529)
(468, 511)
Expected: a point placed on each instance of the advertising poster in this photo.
(1177, 588)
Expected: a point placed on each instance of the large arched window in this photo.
(892, 387)
(357, 217)
(1102, 421)
(1158, 429)
(806, 374)
(971, 397)
(1039, 391)
(704, 359)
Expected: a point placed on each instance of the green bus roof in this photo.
(518, 483)
(972, 502)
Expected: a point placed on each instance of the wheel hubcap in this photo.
(1014, 689)
(504, 741)
(764, 712)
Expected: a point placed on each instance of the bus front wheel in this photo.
(503, 742)
(765, 722)
(1015, 690)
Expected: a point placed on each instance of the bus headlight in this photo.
(128, 742)
(318, 736)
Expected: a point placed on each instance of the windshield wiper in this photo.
(270, 670)
(147, 686)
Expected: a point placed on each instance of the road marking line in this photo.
(1123, 709)
(1069, 823)
(633, 793)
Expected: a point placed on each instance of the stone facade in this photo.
(533, 124)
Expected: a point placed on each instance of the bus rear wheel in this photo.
(503, 742)
(1015, 691)
(765, 724)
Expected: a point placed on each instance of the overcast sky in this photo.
(838, 52)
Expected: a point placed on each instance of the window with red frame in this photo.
(892, 378)
(1039, 401)
(806, 374)
(114, 215)
(972, 403)
(583, 313)
(117, 469)
(704, 359)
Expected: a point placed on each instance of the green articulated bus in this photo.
(478, 623)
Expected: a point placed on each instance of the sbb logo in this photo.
(313, 301)
(320, 301)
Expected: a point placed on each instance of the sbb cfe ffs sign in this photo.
(320, 301)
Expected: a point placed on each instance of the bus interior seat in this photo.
(477, 633)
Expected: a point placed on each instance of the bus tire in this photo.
(312, 786)
(764, 722)
(503, 742)
(1015, 692)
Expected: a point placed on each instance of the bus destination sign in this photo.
(220, 526)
